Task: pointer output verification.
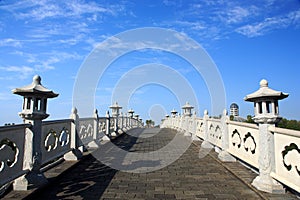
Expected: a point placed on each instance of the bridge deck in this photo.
(189, 177)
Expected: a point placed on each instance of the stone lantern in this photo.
(266, 103)
(266, 115)
(115, 109)
(136, 117)
(35, 100)
(173, 113)
(130, 112)
(187, 110)
(130, 115)
(34, 111)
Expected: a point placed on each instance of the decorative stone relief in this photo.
(102, 126)
(64, 137)
(218, 134)
(8, 154)
(291, 157)
(51, 140)
(249, 143)
(236, 139)
(86, 131)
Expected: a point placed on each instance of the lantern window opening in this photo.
(44, 104)
(28, 103)
(260, 110)
(24, 103)
(37, 104)
(276, 108)
(268, 103)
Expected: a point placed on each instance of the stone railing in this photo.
(59, 139)
(287, 157)
(248, 143)
(12, 152)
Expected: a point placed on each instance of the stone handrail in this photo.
(59, 139)
(12, 152)
(287, 157)
(243, 141)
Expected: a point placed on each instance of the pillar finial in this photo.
(264, 83)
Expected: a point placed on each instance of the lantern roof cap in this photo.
(131, 111)
(35, 88)
(116, 105)
(174, 111)
(187, 105)
(265, 92)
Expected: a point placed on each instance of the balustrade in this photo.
(26, 148)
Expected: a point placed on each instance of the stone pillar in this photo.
(205, 144)
(224, 155)
(33, 112)
(121, 126)
(194, 128)
(93, 144)
(266, 115)
(21, 183)
(264, 181)
(114, 134)
(106, 137)
(107, 132)
(75, 153)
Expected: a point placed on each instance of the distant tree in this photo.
(289, 124)
(150, 123)
(284, 123)
(249, 119)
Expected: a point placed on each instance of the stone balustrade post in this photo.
(75, 153)
(205, 144)
(180, 123)
(116, 124)
(194, 128)
(107, 131)
(126, 121)
(120, 126)
(224, 155)
(187, 126)
(266, 161)
(21, 183)
(93, 144)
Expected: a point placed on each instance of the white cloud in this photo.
(10, 42)
(22, 72)
(195, 25)
(238, 14)
(42, 9)
(269, 24)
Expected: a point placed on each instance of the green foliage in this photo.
(289, 124)
(150, 123)
(249, 119)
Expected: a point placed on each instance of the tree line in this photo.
(284, 123)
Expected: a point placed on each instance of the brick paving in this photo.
(189, 177)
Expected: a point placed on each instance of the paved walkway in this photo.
(189, 177)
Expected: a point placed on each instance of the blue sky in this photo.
(247, 40)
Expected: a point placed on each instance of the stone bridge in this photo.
(115, 157)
